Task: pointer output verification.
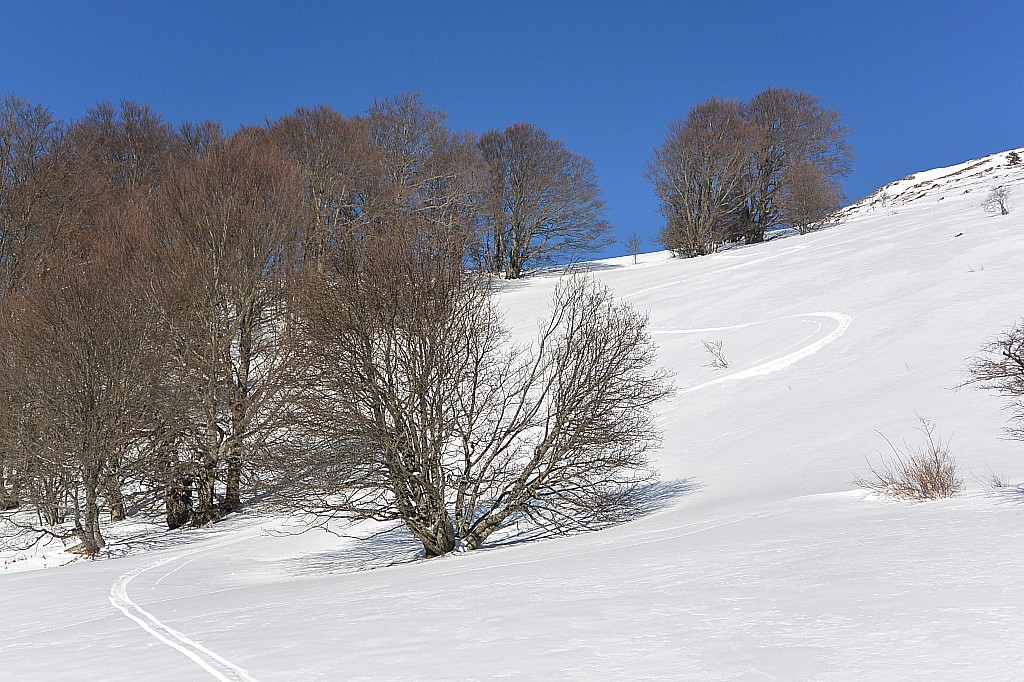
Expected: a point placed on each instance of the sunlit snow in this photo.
(764, 561)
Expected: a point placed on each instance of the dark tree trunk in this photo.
(206, 478)
(115, 498)
(8, 493)
(233, 483)
(88, 530)
(178, 502)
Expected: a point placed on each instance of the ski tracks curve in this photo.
(217, 666)
(773, 365)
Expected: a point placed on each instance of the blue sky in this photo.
(923, 84)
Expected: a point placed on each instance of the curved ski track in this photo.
(226, 671)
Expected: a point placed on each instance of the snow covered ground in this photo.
(765, 562)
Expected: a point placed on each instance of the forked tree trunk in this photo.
(424, 514)
(88, 530)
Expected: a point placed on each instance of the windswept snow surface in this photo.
(766, 564)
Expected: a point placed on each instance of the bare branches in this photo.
(426, 415)
(542, 201)
(998, 200)
(714, 349)
(1000, 368)
(733, 170)
(633, 244)
(697, 173)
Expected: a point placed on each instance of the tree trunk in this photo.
(178, 502)
(233, 494)
(89, 532)
(206, 477)
(115, 498)
(436, 541)
(8, 493)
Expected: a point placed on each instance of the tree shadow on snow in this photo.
(398, 546)
(1010, 494)
(639, 502)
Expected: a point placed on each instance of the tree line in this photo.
(304, 312)
(191, 318)
(733, 170)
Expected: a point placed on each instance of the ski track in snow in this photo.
(226, 671)
(771, 365)
(219, 667)
(774, 364)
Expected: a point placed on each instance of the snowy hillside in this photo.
(761, 559)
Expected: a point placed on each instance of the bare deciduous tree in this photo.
(542, 201)
(998, 200)
(424, 414)
(27, 135)
(345, 175)
(633, 244)
(734, 170)
(228, 227)
(81, 360)
(697, 174)
(433, 172)
(808, 196)
(718, 359)
(1000, 368)
(789, 129)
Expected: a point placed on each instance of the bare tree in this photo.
(633, 244)
(718, 359)
(542, 201)
(998, 200)
(808, 196)
(37, 197)
(425, 415)
(433, 172)
(80, 362)
(228, 225)
(790, 129)
(697, 174)
(1000, 368)
(346, 184)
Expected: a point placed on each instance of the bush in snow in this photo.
(998, 200)
(920, 472)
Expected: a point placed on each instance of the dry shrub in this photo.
(919, 472)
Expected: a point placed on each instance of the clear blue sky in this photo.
(923, 84)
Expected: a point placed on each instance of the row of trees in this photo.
(190, 318)
(732, 170)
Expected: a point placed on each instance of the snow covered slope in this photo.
(766, 563)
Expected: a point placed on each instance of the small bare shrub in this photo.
(996, 481)
(919, 472)
(718, 360)
(998, 200)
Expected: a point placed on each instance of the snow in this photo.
(767, 562)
